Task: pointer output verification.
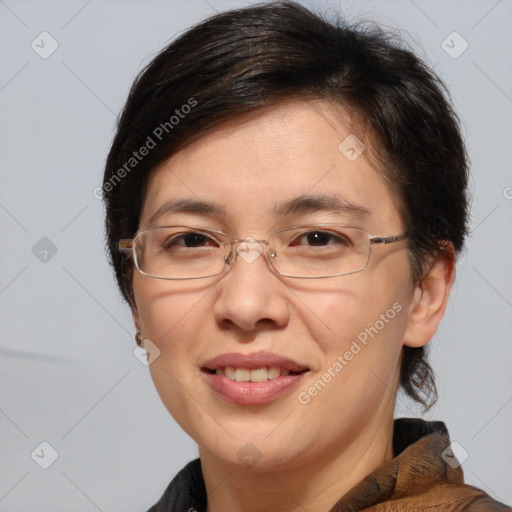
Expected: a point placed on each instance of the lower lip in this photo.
(252, 393)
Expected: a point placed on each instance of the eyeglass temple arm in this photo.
(388, 239)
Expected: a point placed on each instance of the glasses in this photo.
(307, 252)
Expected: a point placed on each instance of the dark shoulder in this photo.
(185, 493)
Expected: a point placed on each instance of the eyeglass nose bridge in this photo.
(249, 249)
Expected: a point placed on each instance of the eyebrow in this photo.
(298, 205)
(189, 206)
(310, 203)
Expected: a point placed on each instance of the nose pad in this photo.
(249, 249)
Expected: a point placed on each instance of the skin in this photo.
(311, 454)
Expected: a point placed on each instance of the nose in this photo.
(251, 297)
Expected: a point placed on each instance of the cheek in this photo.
(354, 307)
(361, 362)
(359, 329)
(172, 318)
(166, 307)
(178, 323)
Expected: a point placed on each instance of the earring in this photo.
(139, 338)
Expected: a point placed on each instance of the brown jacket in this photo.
(417, 479)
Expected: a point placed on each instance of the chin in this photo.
(254, 444)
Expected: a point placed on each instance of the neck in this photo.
(316, 485)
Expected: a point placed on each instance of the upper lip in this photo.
(253, 361)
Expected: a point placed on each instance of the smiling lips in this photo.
(252, 379)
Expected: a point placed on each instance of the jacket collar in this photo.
(420, 448)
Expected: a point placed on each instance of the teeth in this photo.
(273, 372)
(259, 375)
(256, 375)
(242, 375)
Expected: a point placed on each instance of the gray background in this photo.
(68, 375)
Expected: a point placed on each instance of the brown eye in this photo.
(320, 239)
(194, 239)
(188, 240)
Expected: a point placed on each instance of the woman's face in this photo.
(343, 335)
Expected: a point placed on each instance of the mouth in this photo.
(253, 375)
(252, 379)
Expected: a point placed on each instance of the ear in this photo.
(430, 298)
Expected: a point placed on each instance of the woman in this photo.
(285, 201)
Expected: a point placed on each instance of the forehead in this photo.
(257, 166)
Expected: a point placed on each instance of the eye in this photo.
(190, 239)
(320, 238)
